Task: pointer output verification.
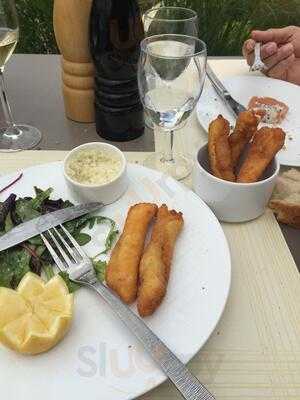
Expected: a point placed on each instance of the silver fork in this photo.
(258, 64)
(70, 257)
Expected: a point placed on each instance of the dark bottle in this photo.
(116, 30)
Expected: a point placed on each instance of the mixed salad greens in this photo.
(33, 255)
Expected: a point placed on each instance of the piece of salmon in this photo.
(270, 110)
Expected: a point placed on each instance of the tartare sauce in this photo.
(93, 167)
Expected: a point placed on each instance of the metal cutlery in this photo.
(258, 64)
(69, 257)
(233, 106)
(35, 226)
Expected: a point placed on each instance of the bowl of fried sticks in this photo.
(235, 172)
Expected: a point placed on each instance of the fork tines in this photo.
(61, 251)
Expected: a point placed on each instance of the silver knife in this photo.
(233, 106)
(35, 226)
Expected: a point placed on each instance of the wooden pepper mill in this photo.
(71, 27)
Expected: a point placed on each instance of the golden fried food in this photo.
(246, 126)
(219, 149)
(123, 267)
(155, 264)
(266, 143)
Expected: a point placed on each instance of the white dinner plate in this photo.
(242, 88)
(100, 358)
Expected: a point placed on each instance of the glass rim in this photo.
(148, 39)
(193, 12)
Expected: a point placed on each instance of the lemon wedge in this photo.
(36, 316)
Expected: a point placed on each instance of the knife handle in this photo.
(187, 384)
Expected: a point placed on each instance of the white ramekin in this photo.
(106, 193)
(231, 201)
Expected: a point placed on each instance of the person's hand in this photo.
(280, 51)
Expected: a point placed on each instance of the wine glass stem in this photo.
(5, 103)
(169, 155)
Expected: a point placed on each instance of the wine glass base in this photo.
(19, 137)
(179, 168)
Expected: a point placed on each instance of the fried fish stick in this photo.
(156, 262)
(123, 267)
(219, 149)
(266, 143)
(246, 126)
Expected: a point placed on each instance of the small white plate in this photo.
(242, 88)
(100, 358)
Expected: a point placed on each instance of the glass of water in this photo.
(174, 20)
(171, 75)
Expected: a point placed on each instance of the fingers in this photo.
(280, 70)
(281, 54)
(267, 50)
(248, 48)
(293, 73)
(278, 36)
(277, 53)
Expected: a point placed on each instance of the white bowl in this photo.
(231, 201)
(106, 193)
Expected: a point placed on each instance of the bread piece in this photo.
(285, 201)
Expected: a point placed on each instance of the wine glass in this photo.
(172, 20)
(176, 20)
(171, 74)
(13, 137)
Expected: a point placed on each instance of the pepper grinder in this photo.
(71, 27)
(116, 30)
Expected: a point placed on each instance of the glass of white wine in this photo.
(13, 137)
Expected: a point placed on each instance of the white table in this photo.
(254, 353)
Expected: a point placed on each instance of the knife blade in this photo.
(38, 225)
(233, 106)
